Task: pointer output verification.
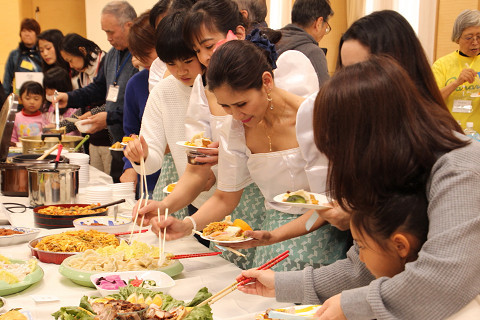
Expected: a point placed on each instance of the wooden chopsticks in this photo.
(143, 195)
(243, 280)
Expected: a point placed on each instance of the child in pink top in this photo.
(29, 121)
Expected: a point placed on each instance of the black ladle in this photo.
(108, 204)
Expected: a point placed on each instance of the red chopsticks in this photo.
(267, 265)
(243, 280)
(136, 231)
(195, 255)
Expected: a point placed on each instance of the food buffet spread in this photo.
(58, 288)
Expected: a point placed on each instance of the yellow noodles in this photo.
(77, 241)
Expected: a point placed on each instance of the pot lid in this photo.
(7, 120)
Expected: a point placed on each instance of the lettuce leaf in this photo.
(73, 313)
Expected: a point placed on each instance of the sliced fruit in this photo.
(157, 300)
(8, 277)
(32, 264)
(296, 199)
(149, 300)
(132, 298)
(171, 186)
(242, 225)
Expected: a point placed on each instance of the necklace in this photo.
(269, 139)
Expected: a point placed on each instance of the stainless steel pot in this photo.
(48, 186)
(35, 144)
(14, 175)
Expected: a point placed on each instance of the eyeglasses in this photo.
(328, 28)
(471, 38)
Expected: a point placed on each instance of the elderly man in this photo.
(309, 25)
(109, 85)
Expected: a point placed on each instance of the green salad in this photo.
(85, 310)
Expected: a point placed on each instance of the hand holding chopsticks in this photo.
(243, 280)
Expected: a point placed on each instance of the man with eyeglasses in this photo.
(456, 73)
(309, 25)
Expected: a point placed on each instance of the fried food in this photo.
(117, 145)
(71, 211)
(226, 230)
(199, 140)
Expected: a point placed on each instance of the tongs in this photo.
(57, 111)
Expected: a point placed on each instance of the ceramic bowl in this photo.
(164, 281)
(82, 126)
(103, 224)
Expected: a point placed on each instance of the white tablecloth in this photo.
(214, 272)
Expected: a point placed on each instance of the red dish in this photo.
(48, 256)
(49, 221)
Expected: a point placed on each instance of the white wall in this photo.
(93, 9)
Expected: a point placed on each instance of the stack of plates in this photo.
(98, 194)
(82, 160)
(124, 190)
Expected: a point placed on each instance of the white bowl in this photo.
(82, 126)
(110, 225)
(164, 281)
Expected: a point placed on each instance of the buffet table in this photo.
(55, 291)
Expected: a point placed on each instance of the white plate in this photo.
(115, 149)
(475, 95)
(320, 197)
(29, 234)
(165, 190)
(224, 241)
(301, 311)
(164, 281)
(182, 144)
(109, 224)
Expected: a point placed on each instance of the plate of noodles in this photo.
(137, 256)
(56, 248)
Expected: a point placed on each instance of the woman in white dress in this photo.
(259, 145)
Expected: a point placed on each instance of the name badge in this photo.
(462, 106)
(112, 93)
(26, 65)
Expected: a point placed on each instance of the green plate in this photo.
(33, 277)
(82, 277)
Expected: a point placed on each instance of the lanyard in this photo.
(120, 67)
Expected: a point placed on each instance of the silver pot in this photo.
(48, 186)
(35, 144)
(14, 176)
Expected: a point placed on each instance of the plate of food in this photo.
(137, 256)
(18, 275)
(226, 231)
(304, 199)
(169, 188)
(294, 312)
(117, 146)
(62, 215)
(10, 235)
(198, 142)
(139, 303)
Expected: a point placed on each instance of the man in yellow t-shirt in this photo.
(456, 73)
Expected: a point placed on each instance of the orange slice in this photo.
(242, 225)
